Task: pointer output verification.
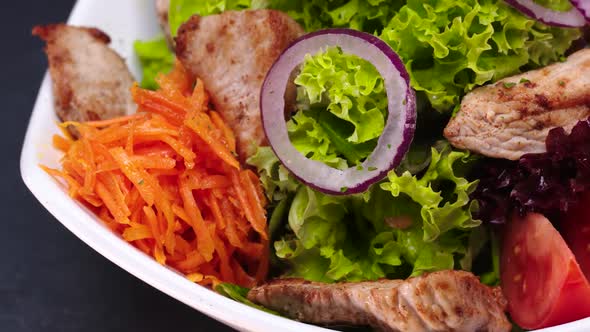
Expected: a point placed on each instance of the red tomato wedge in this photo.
(541, 279)
(575, 228)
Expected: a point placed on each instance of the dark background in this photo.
(50, 280)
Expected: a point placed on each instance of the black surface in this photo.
(50, 280)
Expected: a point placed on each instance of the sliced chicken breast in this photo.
(90, 80)
(440, 301)
(162, 7)
(232, 52)
(513, 116)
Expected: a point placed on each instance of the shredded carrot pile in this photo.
(167, 180)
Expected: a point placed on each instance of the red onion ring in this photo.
(583, 6)
(570, 19)
(399, 129)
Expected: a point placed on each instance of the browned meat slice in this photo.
(231, 53)
(90, 80)
(162, 12)
(440, 301)
(513, 116)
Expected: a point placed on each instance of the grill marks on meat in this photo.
(439, 301)
(90, 80)
(232, 52)
(513, 116)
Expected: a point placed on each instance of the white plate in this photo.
(131, 20)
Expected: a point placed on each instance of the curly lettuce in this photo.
(351, 88)
(363, 15)
(336, 238)
(442, 195)
(342, 108)
(276, 180)
(449, 47)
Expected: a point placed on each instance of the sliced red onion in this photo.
(399, 129)
(583, 6)
(570, 19)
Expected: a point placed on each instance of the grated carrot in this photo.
(131, 132)
(110, 122)
(62, 143)
(168, 181)
(199, 98)
(205, 243)
(183, 246)
(137, 232)
(143, 246)
(192, 261)
(216, 211)
(114, 188)
(201, 124)
(152, 221)
(115, 209)
(159, 255)
(246, 202)
(259, 222)
(89, 165)
(229, 137)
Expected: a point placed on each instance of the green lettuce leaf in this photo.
(334, 238)
(181, 10)
(325, 243)
(449, 46)
(442, 195)
(155, 57)
(342, 108)
(364, 15)
(346, 246)
(349, 87)
(276, 180)
(312, 140)
(240, 294)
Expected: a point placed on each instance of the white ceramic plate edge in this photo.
(36, 150)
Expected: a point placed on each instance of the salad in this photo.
(370, 155)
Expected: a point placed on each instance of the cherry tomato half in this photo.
(541, 279)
